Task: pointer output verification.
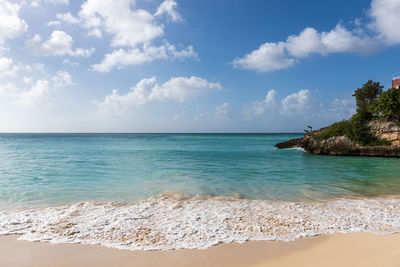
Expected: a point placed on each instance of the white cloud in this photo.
(135, 56)
(180, 88)
(386, 20)
(31, 91)
(61, 79)
(133, 32)
(53, 23)
(68, 18)
(25, 85)
(177, 89)
(300, 108)
(297, 102)
(58, 44)
(30, 97)
(64, 17)
(169, 7)
(281, 55)
(269, 56)
(67, 61)
(7, 67)
(385, 25)
(335, 41)
(95, 33)
(293, 104)
(268, 104)
(128, 26)
(11, 25)
(223, 109)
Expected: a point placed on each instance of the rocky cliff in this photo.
(386, 129)
(343, 146)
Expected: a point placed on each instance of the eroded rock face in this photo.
(343, 146)
(339, 145)
(388, 130)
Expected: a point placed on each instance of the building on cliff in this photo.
(396, 82)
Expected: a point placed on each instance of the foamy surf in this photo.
(176, 222)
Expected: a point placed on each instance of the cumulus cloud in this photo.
(385, 22)
(53, 23)
(177, 89)
(7, 67)
(68, 18)
(29, 97)
(36, 3)
(335, 41)
(281, 55)
(295, 103)
(169, 7)
(269, 56)
(133, 31)
(58, 44)
(148, 53)
(301, 106)
(11, 25)
(61, 79)
(128, 26)
(261, 107)
(25, 85)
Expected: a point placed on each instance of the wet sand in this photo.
(360, 249)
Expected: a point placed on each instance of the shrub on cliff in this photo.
(337, 129)
(355, 129)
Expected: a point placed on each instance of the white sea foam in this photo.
(174, 222)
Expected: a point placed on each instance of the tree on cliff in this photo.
(366, 96)
(387, 105)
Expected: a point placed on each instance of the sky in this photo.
(190, 66)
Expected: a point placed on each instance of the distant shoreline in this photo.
(188, 133)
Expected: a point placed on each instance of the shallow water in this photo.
(59, 169)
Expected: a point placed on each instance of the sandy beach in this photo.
(360, 249)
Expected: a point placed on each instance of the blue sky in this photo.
(190, 66)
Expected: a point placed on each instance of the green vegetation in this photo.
(387, 105)
(365, 97)
(372, 103)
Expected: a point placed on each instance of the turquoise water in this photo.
(54, 169)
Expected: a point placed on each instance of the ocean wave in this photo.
(291, 148)
(174, 221)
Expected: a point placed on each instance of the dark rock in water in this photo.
(343, 146)
(298, 142)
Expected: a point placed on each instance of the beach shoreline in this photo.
(173, 222)
(358, 249)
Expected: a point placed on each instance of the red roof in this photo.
(396, 83)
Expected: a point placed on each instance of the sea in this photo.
(174, 191)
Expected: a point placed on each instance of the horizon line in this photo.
(151, 133)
